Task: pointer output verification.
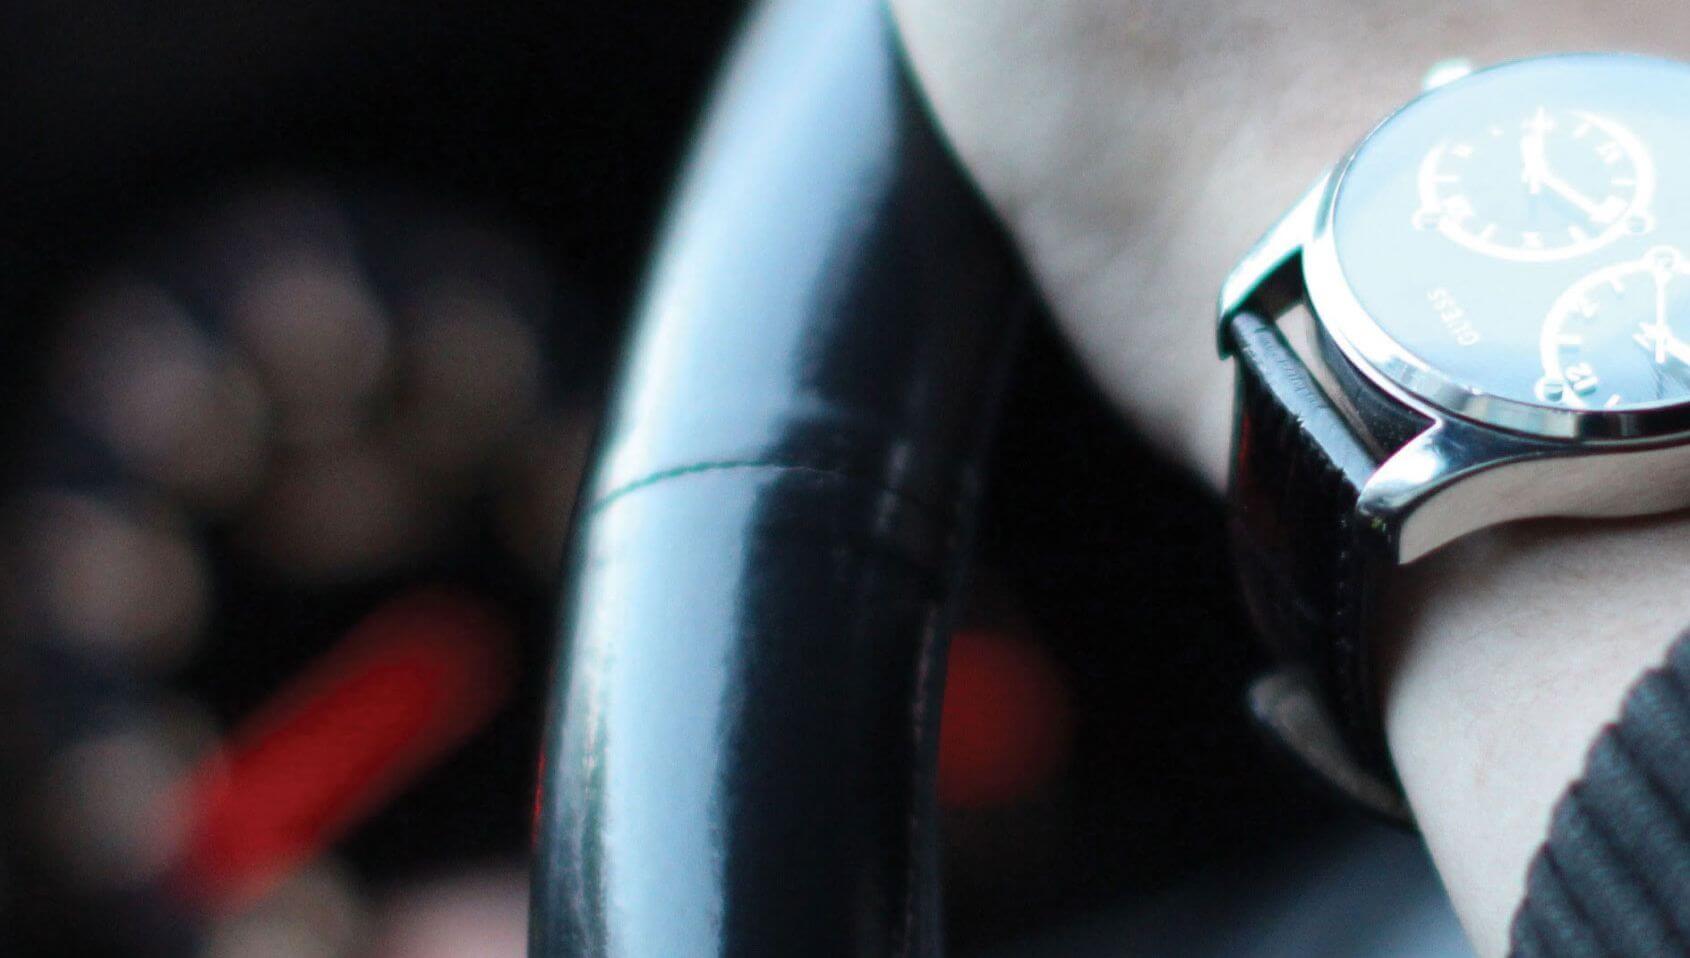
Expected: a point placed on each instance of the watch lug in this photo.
(1269, 279)
(1413, 497)
(1458, 477)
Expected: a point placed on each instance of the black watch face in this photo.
(1525, 232)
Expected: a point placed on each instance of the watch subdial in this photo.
(1549, 186)
(1617, 337)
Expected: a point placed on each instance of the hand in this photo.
(1136, 150)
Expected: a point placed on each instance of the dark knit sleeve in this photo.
(1613, 879)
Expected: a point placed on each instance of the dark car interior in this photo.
(315, 317)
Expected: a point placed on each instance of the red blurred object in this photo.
(1006, 727)
(412, 680)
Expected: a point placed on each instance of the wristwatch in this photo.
(1497, 289)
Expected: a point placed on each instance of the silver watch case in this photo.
(1484, 459)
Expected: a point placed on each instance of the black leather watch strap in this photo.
(1310, 566)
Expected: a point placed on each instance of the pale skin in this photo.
(1135, 149)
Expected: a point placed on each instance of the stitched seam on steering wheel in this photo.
(727, 465)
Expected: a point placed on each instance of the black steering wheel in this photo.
(741, 749)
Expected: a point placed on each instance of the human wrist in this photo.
(1504, 656)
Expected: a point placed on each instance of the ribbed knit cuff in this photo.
(1613, 879)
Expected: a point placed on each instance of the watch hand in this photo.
(1571, 194)
(1659, 338)
(1534, 163)
(1661, 332)
(1677, 348)
(1534, 159)
(1678, 372)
